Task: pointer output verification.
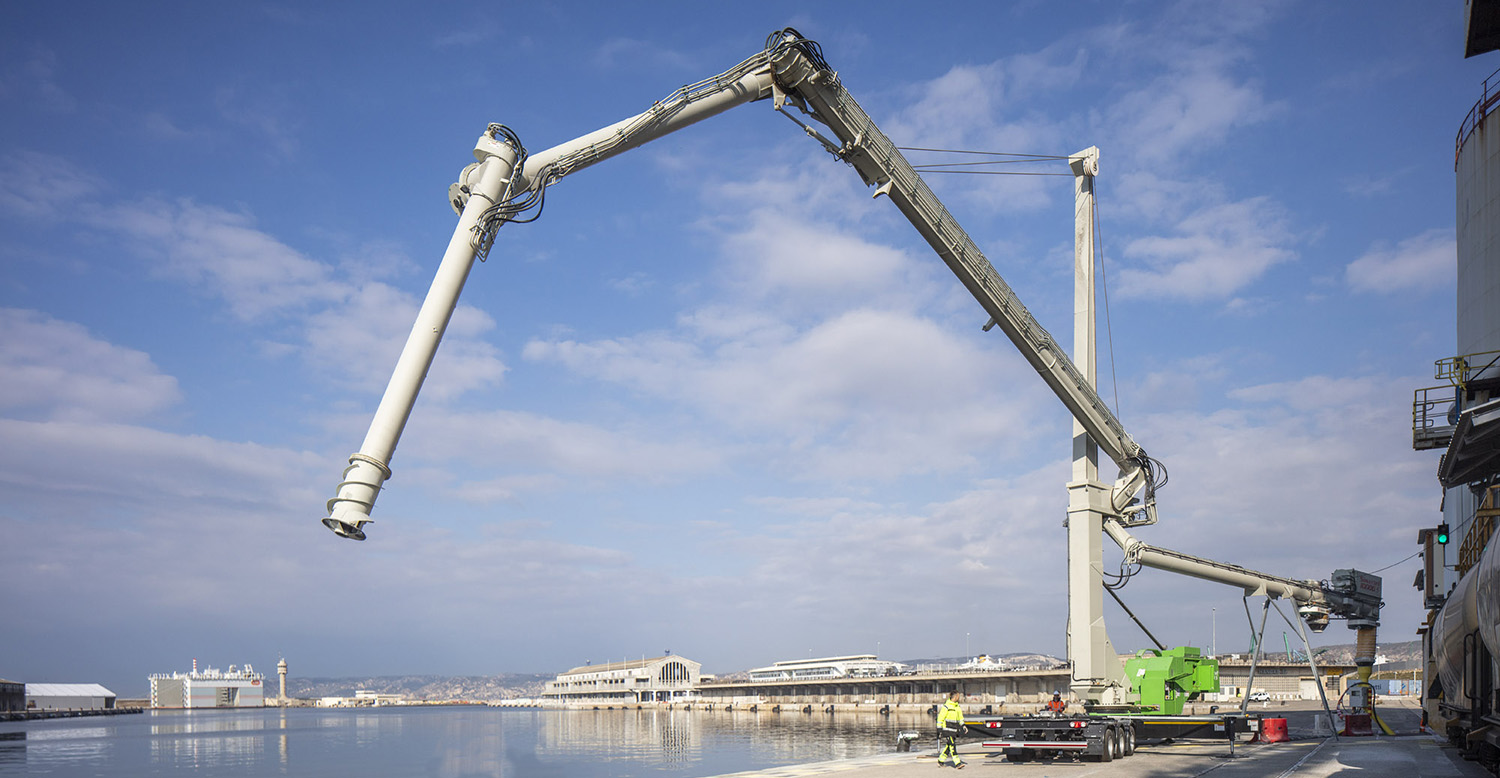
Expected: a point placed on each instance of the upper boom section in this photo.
(808, 83)
(746, 82)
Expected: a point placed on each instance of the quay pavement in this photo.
(1410, 753)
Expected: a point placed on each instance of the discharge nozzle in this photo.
(349, 510)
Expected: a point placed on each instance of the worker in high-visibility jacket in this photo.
(950, 723)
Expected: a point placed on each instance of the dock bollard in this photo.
(904, 739)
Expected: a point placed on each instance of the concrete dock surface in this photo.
(1409, 753)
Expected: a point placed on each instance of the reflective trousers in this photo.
(950, 749)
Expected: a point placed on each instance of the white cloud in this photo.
(1217, 251)
(1195, 95)
(1309, 464)
(1179, 386)
(785, 261)
(1419, 263)
(262, 113)
(351, 334)
(34, 79)
(155, 510)
(356, 340)
(506, 488)
(634, 284)
(506, 440)
(130, 467)
(159, 126)
(866, 393)
(809, 349)
(42, 186)
(1185, 113)
(1152, 198)
(635, 53)
(378, 259)
(255, 273)
(989, 108)
(803, 245)
(470, 35)
(844, 573)
(57, 370)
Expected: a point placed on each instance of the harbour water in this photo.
(451, 742)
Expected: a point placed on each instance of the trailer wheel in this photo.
(1107, 753)
(1119, 752)
(1018, 755)
(1129, 740)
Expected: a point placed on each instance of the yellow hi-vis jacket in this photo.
(951, 715)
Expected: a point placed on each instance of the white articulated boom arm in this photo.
(507, 183)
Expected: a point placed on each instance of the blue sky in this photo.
(716, 400)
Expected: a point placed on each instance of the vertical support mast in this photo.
(1098, 676)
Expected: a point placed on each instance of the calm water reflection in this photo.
(448, 742)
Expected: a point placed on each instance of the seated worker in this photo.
(1056, 705)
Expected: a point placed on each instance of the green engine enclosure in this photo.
(1163, 681)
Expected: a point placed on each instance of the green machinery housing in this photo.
(1165, 679)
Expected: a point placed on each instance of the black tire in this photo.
(1129, 740)
(1018, 755)
(1107, 753)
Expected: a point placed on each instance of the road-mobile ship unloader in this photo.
(509, 184)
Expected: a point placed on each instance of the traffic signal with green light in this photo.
(1442, 534)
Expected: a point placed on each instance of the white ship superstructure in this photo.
(237, 687)
(856, 666)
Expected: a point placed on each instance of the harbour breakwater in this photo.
(65, 713)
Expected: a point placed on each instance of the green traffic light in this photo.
(1442, 534)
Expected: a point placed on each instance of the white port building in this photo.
(662, 679)
(68, 696)
(210, 688)
(828, 667)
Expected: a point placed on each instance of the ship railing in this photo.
(1434, 412)
(1487, 100)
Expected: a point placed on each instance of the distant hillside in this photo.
(1016, 659)
(425, 687)
(1343, 653)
